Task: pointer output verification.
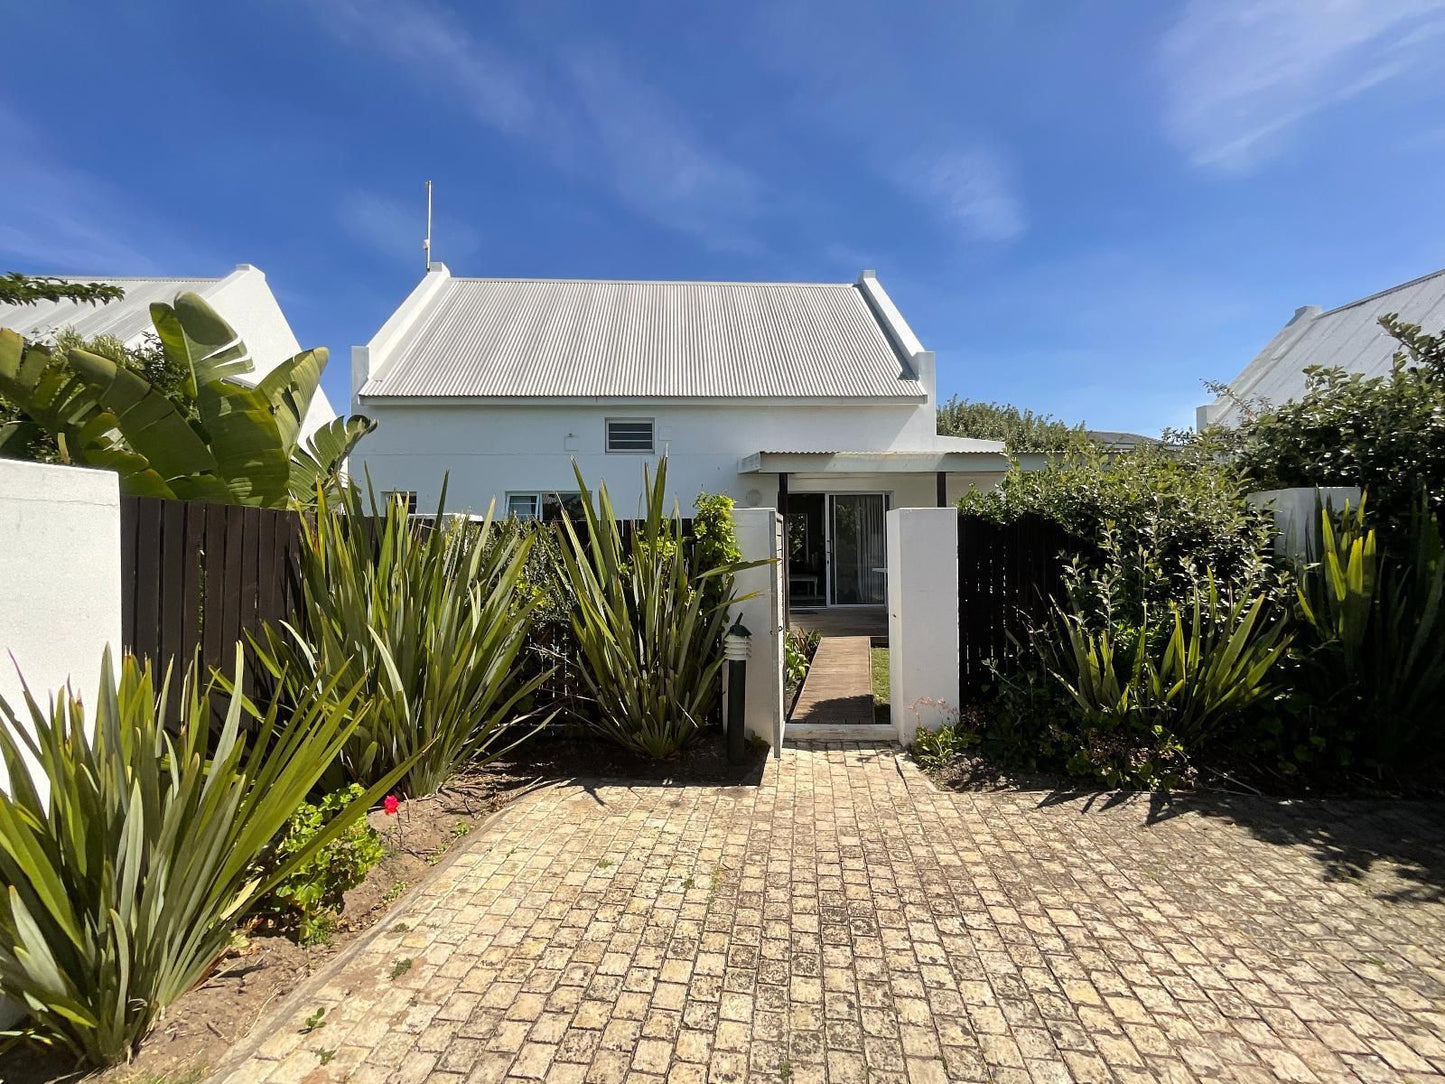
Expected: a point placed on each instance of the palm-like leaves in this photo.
(428, 619)
(648, 634)
(243, 447)
(121, 888)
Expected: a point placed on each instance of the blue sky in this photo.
(1084, 209)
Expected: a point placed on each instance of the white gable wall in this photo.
(491, 450)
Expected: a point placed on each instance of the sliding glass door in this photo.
(857, 555)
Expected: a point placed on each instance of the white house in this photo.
(816, 398)
(243, 298)
(1349, 337)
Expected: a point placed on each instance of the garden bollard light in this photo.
(737, 646)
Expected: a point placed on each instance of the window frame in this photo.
(607, 425)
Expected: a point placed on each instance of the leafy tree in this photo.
(18, 289)
(1020, 430)
(1385, 434)
(212, 438)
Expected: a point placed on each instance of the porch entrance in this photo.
(837, 555)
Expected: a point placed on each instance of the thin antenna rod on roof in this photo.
(426, 242)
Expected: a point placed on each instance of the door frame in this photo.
(828, 496)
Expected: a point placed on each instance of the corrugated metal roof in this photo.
(597, 338)
(124, 319)
(1349, 336)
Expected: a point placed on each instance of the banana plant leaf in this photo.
(289, 388)
(194, 336)
(319, 461)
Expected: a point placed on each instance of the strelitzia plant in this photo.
(122, 886)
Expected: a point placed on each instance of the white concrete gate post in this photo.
(922, 618)
(760, 537)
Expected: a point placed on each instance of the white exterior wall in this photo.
(59, 579)
(492, 450)
(922, 618)
(759, 533)
(1297, 515)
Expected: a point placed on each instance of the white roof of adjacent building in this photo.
(243, 298)
(127, 319)
(573, 338)
(1349, 337)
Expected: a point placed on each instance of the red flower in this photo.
(390, 805)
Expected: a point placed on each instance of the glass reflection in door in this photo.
(855, 527)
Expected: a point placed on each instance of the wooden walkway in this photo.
(839, 686)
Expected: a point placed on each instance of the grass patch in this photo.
(880, 684)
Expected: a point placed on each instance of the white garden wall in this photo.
(922, 618)
(59, 578)
(1297, 515)
(759, 535)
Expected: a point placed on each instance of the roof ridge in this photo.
(1381, 293)
(650, 282)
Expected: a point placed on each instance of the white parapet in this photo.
(922, 618)
(59, 579)
(760, 537)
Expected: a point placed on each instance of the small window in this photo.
(550, 507)
(406, 495)
(524, 505)
(629, 435)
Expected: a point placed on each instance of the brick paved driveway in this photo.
(845, 921)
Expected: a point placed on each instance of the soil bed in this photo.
(199, 1029)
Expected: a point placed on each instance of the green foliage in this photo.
(1371, 675)
(310, 897)
(124, 885)
(1384, 434)
(427, 620)
(18, 289)
(715, 543)
(937, 749)
(1152, 522)
(798, 649)
(1145, 701)
(179, 425)
(648, 632)
(1020, 430)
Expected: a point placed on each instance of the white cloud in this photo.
(594, 118)
(973, 190)
(657, 164)
(1239, 74)
(437, 48)
(395, 227)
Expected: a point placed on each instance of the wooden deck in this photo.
(839, 686)
(843, 620)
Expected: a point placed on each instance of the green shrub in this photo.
(648, 632)
(427, 618)
(1371, 675)
(1020, 430)
(308, 900)
(1148, 702)
(1384, 434)
(798, 650)
(937, 749)
(1154, 520)
(124, 885)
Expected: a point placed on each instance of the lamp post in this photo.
(737, 646)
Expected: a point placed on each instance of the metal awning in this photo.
(903, 462)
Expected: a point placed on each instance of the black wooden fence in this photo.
(198, 577)
(1008, 576)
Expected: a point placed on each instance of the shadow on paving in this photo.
(1348, 838)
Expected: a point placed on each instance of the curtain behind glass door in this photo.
(859, 552)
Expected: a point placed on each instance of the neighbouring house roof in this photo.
(243, 298)
(126, 319)
(1113, 440)
(574, 338)
(1349, 336)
